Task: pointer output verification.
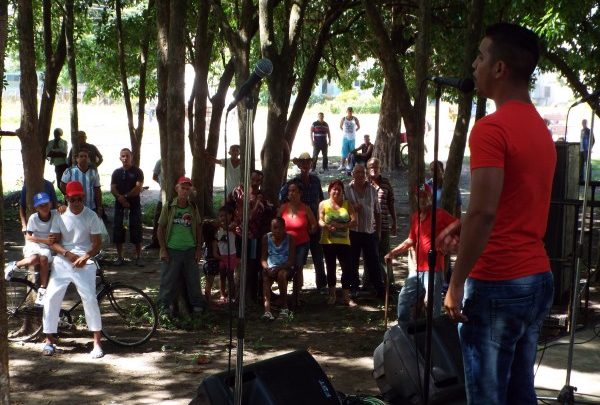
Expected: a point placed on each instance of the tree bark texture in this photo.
(54, 61)
(31, 151)
(72, 67)
(387, 141)
(4, 371)
(465, 102)
(162, 75)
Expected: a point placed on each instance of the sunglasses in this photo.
(76, 199)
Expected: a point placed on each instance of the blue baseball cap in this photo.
(40, 198)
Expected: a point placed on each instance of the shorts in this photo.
(32, 248)
(228, 263)
(348, 145)
(211, 267)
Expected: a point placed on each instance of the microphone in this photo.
(587, 98)
(263, 68)
(465, 85)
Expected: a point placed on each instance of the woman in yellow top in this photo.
(336, 217)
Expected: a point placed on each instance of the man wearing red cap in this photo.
(179, 237)
(419, 236)
(80, 232)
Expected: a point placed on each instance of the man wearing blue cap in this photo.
(37, 243)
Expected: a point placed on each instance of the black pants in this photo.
(59, 170)
(368, 244)
(320, 146)
(342, 253)
(316, 252)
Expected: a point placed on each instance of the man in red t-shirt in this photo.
(501, 288)
(419, 237)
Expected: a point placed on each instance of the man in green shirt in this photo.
(179, 237)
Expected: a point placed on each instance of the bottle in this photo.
(126, 218)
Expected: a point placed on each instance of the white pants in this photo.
(63, 273)
(32, 248)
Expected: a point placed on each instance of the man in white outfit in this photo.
(80, 232)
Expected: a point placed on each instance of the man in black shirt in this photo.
(126, 185)
(321, 139)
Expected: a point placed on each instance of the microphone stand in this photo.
(432, 252)
(244, 262)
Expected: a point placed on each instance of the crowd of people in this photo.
(501, 288)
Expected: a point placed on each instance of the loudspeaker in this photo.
(291, 379)
(560, 237)
(399, 363)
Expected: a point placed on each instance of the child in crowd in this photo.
(37, 243)
(211, 257)
(228, 260)
(278, 255)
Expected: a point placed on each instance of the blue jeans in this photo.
(414, 287)
(499, 341)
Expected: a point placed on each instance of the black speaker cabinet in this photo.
(291, 379)
(399, 363)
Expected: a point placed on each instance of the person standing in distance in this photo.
(587, 141)
(501, 288)
(349, 125)
(321, 139)
(56, 151)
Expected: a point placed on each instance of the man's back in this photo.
(515, 138)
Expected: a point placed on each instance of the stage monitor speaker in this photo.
(291, 379)
(560, 239)
(399, 363)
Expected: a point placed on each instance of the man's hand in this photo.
(163, 254)
(389, 257)
(52, 239)
(198, 254)
(453, 303)
(448, 239)
(80, 261)
(61, 209)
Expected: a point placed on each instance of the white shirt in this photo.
(233, 178)
(222, 242)
(349, 128)
(369, 205)
(76, 230)
(39, 227)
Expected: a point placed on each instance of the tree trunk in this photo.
(175, 95)
(54, 62)
(31, 151)
(387, 141)
(465, 101)
(162, 75)
(4, 371)
(212, 144)
(70, 18)
(202, 57)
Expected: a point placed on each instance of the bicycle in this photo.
(129, 317)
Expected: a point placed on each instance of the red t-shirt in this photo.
(420, 233)
(297, 225)
(516, 139)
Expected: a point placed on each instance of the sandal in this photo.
(48, 350)
(96, 353)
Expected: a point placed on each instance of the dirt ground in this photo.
(169, 368)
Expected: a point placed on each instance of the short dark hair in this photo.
(516, 46)
(336, 182)
(279, 220)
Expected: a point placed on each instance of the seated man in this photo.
(37, 243)
(79, 232)
(277, 259)
(361, 155)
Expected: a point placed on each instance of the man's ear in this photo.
(500, 69)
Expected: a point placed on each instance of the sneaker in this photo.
(139, 262)
(284, 313)
(9, 269)
(41, 295)
(267, 316)
(119, 262)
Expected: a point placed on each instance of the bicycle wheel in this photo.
(404, 155)
(24, 319)
(128, 315)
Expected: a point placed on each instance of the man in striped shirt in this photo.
(88, 177)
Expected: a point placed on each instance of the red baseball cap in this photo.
(74, 188)
(184, 179)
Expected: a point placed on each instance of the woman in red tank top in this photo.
(299, 223)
